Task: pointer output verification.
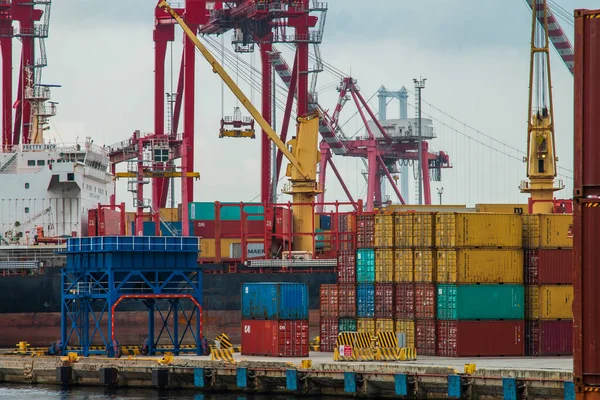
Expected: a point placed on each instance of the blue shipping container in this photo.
(206, 211)
(326, 222)
(365, 301)
(271, 301)
(365, 265)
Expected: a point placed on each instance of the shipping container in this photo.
(228, 211)
(403, 230)
(423, 231)
(365, 300)
(425, 303)
(346, 270)
(229, 248)
(549, 266)
(403, 265)
(384, 265)
(548, 231)
(275, 338)
(365, 231)
(384, 300)
(478, 230)
(227, 229)
(424, 266)
(325, 222)
(329, 301)
(460, 302)
(328, 334)
(404, 301)
(502, 208)
(347, 300)
(384, 230)
(169, 214)
(275, 301)
(365, 265)
(347, 230)
(479, 266)
(253, 250)
(365, 325)
(347, 325)
(548, 338)
(480, 338)
(283, 222)
(425, 337)
(384, 325)
(549, 302)
(408, 328)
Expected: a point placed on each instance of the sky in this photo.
(474, 54)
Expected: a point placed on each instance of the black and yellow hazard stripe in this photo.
(224, 340)
(363, 340)
(589, 16)
(387, 354)
(592, 205)
(363, 354)
(222, 355)
(345, 339)
(387, 339)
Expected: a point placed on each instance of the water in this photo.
(42, 392)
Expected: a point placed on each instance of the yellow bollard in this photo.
(306, 364)
(470, 369)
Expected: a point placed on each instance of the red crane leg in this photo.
(377, 194)
(6, 48)
(18, 107)
(426, 181)
(288, 111)
(302, 52)
(160, 53)
(372, 180)
(344, 187)
(325, 156)
(28, 61)
(391, 180)
(188, 112)
(265, 147)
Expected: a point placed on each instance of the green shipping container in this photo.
(365, 265)
(464, 302)
(205, 211)
(347, 325)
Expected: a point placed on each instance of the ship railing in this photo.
(133, 243)
(96, 173)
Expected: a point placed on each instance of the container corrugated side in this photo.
(365, 325)
(406, 326)
(347, 325)
(478, 230)
(275, 301)
(346, 269)
(365, 231)
(328, 333)
(548, 231)
(485, 302)
(426, 337)
(424, 266)
(347, 300)
(549, 302)
(384, 230)
(425, 301)
(479, 266)
(384, 265)
(365, 300)
(329, 301)
(365, 265)
(403, 230)
(548, 338)
(549, 266)
(384, 300)
(403, 265)
(480, 338)
(423, 230)
(384, 325)
(275, 338)
(404, 300)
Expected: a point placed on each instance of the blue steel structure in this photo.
(101, 272)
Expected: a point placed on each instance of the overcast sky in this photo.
(474, 54)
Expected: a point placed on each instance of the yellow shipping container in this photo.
(403, 230)
(479, 266)
(549, 302)
(502, 208)
(403, 265)
(548, 231)
(384, 230)
(384, 265)
(478, 230)
(424, 266)
(208, 247)
(408, 328)
(365, 325)
(169, 214)
(384, 325)
(423, 229)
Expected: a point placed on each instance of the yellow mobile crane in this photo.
(541, 150)
(303, 156)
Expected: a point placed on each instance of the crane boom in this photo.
(219, 70)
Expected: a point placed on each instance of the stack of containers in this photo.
(346, 275)
(549, 292)
(480, 292)
(384, 273)
(404, 286)
(275, 319)
(329, 310)
(365, 273)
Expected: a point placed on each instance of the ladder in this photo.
(8, 163)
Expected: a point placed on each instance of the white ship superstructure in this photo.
(52, 187)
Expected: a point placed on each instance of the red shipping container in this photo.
(231, 229)
(384, 300)
(480, 338)
(328, 334)
(346, 270)
(425, 337)
(548, 338)
(329, 301)
(275, 338)
(92, 229)
(404, 301)
(109, 223)
(549, 267)
(425, 304)
(365, 231)
(283, 221)
(347, 300)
